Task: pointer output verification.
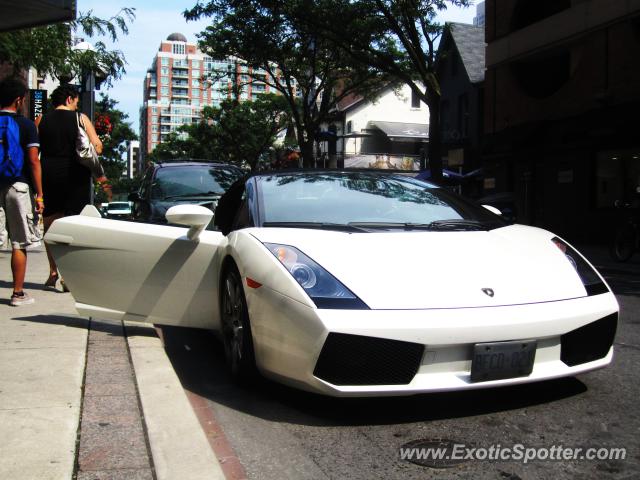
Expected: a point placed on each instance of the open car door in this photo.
(132, 271)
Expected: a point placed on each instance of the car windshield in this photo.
(366, 201)
(193, 181)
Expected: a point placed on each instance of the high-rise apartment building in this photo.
(181, 81)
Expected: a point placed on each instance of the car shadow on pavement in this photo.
(198, 360)
(113, 328)
(65, 320)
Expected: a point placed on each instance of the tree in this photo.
(49, 49)
(394, 37)
(115, 132)
(289, 56)
(236, 132)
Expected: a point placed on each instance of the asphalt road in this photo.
(279, 432)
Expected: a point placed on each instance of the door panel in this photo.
(139, 272)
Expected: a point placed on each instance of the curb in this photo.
(179, 446)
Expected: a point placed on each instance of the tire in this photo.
(624, 244)
(236, 328)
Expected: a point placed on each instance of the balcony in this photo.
(180, 73)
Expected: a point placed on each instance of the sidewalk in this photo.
(89, 399)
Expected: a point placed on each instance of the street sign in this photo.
(37, 103)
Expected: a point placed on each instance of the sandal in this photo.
(52, 280)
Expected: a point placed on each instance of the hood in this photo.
(419, 270)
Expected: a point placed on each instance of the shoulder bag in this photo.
(86, 152)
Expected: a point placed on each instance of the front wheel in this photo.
(624, 243)
(236, 329)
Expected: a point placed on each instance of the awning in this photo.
(31, 13)
(403, 131)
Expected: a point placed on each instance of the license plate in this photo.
(499, 360)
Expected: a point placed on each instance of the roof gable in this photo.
(469, 41)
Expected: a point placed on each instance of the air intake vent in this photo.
(589, 343)
(357, 360)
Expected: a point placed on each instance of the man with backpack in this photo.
(20, 173)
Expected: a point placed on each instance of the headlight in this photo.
(322, 287)
(592, 282)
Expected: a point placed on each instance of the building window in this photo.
(164, 70)
(164, 90)
(195, 82)
(540, 76)
(415, 99)
(527, 12)
(444, 119)
(154, 110)
(178, 48)
(195, 92)
(195, 64)
(154, 128)
(164, 80)
(165, 60)
(463, 115)
(195, 102)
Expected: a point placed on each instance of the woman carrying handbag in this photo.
(66, 178)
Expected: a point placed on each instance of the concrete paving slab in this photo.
(179, 446)
(42, 355)
(40, 377)
(38, 443)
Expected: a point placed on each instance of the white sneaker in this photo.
(24, 299)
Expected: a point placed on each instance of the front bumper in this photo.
(289, 340)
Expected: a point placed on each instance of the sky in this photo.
(154, 21)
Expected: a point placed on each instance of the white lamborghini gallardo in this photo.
(351, 284)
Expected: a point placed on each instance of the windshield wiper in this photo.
(199, 194)
(441, 225)
(318, 225)
(457, 224)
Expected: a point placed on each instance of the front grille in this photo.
(589, 343)
(357, 360)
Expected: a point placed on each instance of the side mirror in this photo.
(133, 197)
(493, 209)
(193, 216)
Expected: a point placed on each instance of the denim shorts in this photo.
(18, 220)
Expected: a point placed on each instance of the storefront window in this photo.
(618, 177)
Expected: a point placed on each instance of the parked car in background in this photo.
(118, 210)
(178, 182)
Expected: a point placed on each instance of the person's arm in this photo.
(36, 175)
(97, 143)
(91, 131)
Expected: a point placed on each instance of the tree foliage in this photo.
(236, 132)
(309, 72)
(50, 50)
(393, 37)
